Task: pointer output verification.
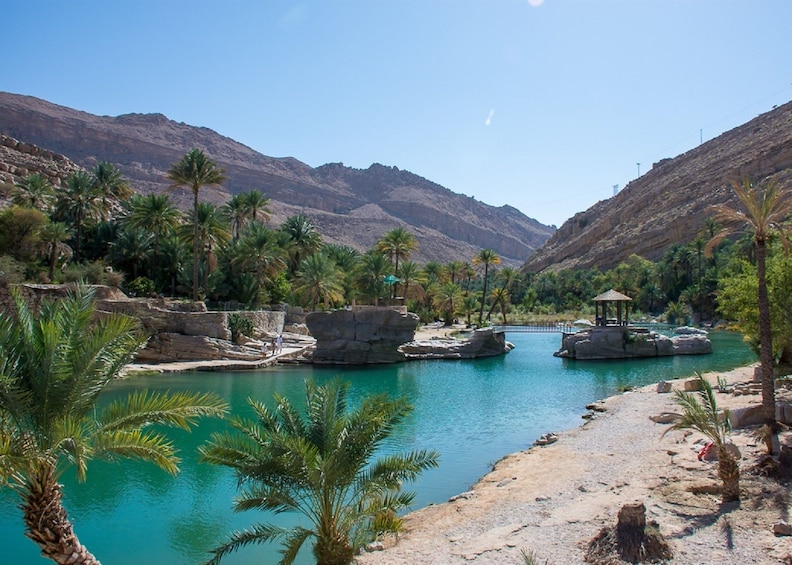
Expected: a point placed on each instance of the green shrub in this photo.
(239, 326)
(141, 286)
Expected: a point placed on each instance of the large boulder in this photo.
(360, 336)
(482, 343)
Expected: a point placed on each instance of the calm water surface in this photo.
(472, 412)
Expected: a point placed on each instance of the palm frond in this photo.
(259, 533)
(137, 444)
(180, 410)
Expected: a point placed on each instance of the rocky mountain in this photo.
(349, 206)
(671, 202)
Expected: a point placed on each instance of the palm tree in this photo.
(53, 238)
(211, 232)
(411, 276)
(447, 300)
(370, 275)
(80, 203)
(258, 250)
(155, 214)
(469, 305)
(397, 244)
(703, 416)
(256, 206)
(34, 191)
(319, 280)
(235, 213)
(346, 259)
(485, 257)
(320, 466)
(113, 188)
(764, 207)
(303, 239)
(455, 271)
(132, 247)
(54, 366)
(195, 170)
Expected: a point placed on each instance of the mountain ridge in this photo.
(349, 206)
(671, 202)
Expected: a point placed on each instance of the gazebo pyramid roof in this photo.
(612, 296)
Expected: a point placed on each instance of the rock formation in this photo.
(349, 206)
(621, 342)
(482, 343)
(365, 335)
(671, 202)
(178, 330)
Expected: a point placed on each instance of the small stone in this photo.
(782, 529)
(664, 386)
(375, 546)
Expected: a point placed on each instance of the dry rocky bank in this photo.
(552, 500)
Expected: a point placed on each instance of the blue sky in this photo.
(543, 105)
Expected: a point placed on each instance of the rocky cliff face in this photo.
(349, 206)
(671, 202)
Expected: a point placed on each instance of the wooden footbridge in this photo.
(549, 327)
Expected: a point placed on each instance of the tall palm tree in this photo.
(34, 191)
(485, 257)
(53, 239)
(80, 204)
(701, 414)
(764, 206)
(53, 367)
(212, 232)
(397, 244)
(155, 214)
(195, 170)
(319, 280)
(320, 466)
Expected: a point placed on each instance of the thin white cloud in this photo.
(488, 121)
(535, 3)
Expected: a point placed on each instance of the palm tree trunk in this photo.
(48, 524)
(765, 345)
(195, 244)
(483, 294)
(729, 473)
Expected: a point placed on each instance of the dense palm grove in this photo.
(95, 228)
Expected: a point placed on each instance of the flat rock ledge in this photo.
(482, 343)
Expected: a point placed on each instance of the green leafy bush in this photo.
(239, 326)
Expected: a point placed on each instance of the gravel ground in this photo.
(552, 500)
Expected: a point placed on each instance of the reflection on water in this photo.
(472, 412)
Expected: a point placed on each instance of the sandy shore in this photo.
(552, 500)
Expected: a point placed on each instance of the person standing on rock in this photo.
(279, 343)
(274, 347)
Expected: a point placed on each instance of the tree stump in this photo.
(632, 540)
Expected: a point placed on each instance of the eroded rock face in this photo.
(360, 336)
(624, 343)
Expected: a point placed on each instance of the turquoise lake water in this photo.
(472, 412)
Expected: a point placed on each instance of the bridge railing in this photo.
(548, 327)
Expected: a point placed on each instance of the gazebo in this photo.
(622, 308)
